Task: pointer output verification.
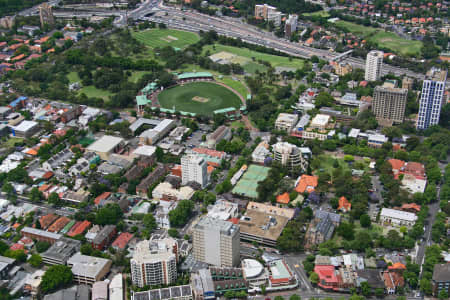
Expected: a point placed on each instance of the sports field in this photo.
(356, 28)
(397, 44)
(244, 56)
(166, 37)
(383, 39)
(248, 184)
(198, 97)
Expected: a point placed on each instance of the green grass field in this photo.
(274, 60)
(92, 91)
(356, 28)
(397, 44)
(320, 13)
(166, 37)
(213, 97)
(383, 39)
(237, 85)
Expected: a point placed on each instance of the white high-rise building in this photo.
(194, 168)
(374, 62)
(154, 262)
(216, 242)
(431, 99)
(291, 25)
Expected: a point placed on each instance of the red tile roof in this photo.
(283, 198)
(17, 246)
(47, 220)
(59, 224)
(122, 240)
(344, 204)
(396, 164)
(397, 266)
(307, 183)
(214, 153)
(103, 196)
(234, 220)
(79, 228)
(414, 206)
(327, 275)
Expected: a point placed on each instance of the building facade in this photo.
(432, 98)
(194, 168)
(289, 155)
(154, 262)
(374, 62)
(389, 103)
(216, 242)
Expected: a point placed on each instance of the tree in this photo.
(346, 230)
(295, 297)
(181, 214)
(54, 199)
(149, 222)
(379, 293)
(314, 278)
(365, 288)
(36, 195)
(173, 232)
(364, 220)
(42, 246)
(56, 277)
(18, 255)
(443, 294)
(86, 249)
(109, 214)
(35, 260)
(425, 286)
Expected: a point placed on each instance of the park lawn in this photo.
(237, 124)
(356, 28)
(384, 39)
(166, 37)
(326, 164)
(237, 85)
(11, 142)
(73, 77)
(92, 91)
(320, 13)
(274, 60)
(396, 43)
(182, 98)
(252, 67)
(136, 75)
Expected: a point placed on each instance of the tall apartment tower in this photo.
(46, 14)
(154, 262)
(389, 104)
(374, 62)
(289, 155)
(290, 25)
(216, 242)
(194, 168)
(431, 99)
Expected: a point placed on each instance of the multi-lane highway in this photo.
(233, 27)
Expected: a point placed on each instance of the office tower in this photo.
(432, 98)
(194, 168)
(154, 262)
(374, 62)
(216, 242)
(389, 103)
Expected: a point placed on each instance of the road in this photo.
(232, 27)
(35, 9)
(48, 207)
